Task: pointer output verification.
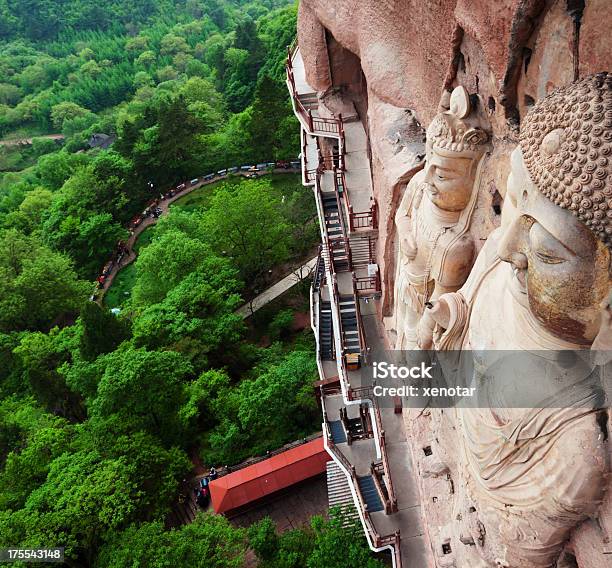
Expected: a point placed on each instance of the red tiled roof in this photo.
(265, 477)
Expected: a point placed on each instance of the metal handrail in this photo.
(385, 459)
(377, 539)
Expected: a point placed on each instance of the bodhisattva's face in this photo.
(449, 180)
(560, 268)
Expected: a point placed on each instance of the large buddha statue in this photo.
(540, 285)
(436, 250)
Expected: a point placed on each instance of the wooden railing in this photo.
(367, 393)
(376, 471)
(316, 124)
(292, 48)
(310, 175)
(356, 219)
(377, 539)
(319, 271)
(336, 304)
(341, 244)
(385, 464)
(367, 284)
(363, 219)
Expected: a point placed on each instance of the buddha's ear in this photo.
(602, 343)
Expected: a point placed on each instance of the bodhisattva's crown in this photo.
(566, 141)
(455, 131)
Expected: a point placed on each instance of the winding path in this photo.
(148, 221)
(28, 141)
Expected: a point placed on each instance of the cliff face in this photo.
(398, 61)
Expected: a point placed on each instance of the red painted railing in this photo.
(367, 393)
(316, 124)
(362, 341)
(367, 284)
(356, 219)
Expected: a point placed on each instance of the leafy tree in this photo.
(338, 546)
(66, 110)
(102, 331)
(54, 169)
(88, 495)
(263, 539)
(31, 210)
(248, 226)
(281, 324)
(28, 466)
(266, 128)
(142, 390)
(165, 263)
(276, 406)
(37, 285)
(41, 146)
(197, 316)
(146, 58)
(9, 94)
(39, 357)
(210, 541)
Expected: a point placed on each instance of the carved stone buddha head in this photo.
(455, 144)
(560, 239)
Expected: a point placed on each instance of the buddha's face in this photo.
(449, 180)
(560, 269)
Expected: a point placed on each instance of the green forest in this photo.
(103, 415)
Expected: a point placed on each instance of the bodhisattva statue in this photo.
(540, 283)
(436, 250)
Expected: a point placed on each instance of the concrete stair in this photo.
(348, 317)
(338, 491)
(332, 215)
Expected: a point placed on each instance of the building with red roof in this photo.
(256, 481)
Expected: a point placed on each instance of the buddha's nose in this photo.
(509, 248)
(428, 173)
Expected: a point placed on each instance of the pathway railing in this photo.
(316, 124)
(367, 393)
(378, 540)
(362, 342)
(366, 285)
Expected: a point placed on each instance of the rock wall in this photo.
(398, 60)
(509, 52)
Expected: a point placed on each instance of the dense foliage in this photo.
(100, 413)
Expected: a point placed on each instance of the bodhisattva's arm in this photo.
(404, 223)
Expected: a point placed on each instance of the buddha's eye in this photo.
(548, 258)
(546, 248)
